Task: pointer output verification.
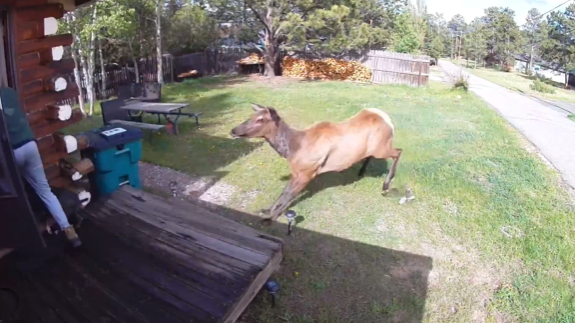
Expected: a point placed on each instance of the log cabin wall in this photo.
(39, 66)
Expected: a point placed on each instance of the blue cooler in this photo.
(115, 152)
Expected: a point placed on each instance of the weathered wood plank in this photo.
(49, 296)
(46, 71)
(42, 100)
(105, 247)
(38, 13)
(213, 269)
(85, 294)
(47, 42)
(155, 309)
(196, 218)
(215, 244)
(255, 287)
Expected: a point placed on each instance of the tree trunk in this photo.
(91, 59)
(566, 78)
(159, 41)
(475, 63)
(530, 59)
(103, 70)
(136, 68)
(270, 56)
(71, 18)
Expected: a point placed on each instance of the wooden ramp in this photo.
(149, 259)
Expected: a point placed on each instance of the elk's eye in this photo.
(260, 119)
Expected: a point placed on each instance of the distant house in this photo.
(543, 69)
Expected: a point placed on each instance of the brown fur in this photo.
(323, 147)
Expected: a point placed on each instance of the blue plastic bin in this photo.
(115, 152)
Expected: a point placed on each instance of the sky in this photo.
(474, 8)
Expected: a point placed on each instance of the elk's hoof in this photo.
(384, 193)
(267, 222)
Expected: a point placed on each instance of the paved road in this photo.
(544, 123)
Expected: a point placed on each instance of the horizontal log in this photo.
(82, 142)
(52, 171)
(38, 44)
(78, 170)
(40, 101)
(55, 126)
(29, 60)
(83, 195)
(38, 13)
(30, 74)
(60, 182)
(27, 30)
(57, 53)
(61, 142)
(52, 156)
(45, 143)
(33, 87)
(50, 26)
(55, 84)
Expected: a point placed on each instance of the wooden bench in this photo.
(140, 125)
(149, 259)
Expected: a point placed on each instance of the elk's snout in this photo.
(235, 133)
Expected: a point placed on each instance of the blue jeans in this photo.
(31, 168)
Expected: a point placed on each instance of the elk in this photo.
(323, 147)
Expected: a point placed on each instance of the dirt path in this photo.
(548, 128)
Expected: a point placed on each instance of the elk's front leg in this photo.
(289, 194)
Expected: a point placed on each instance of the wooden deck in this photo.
(149, 259)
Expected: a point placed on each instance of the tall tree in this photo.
(559, 45)
(533, 34)
(457, 26)
(476, 48)
(159, 53)
(502, 34)
(329, 25)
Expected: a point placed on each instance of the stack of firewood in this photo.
(326, 69)
(253, 58)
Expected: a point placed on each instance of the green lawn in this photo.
(521, 82)
(487, 239)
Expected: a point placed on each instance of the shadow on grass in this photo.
(329, 279)
(323, 278)
(377, 168)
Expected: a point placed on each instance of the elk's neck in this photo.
(285, 140)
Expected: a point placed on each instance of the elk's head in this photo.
(262, 122)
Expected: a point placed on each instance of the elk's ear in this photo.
(274, 115)
(257, 107)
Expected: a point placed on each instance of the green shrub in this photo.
(541, 87)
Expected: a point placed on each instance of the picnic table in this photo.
(165, 109)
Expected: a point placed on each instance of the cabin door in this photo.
(18, 228)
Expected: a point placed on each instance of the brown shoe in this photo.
(72, 236)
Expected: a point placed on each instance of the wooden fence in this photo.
(386, 67)
(397, 68)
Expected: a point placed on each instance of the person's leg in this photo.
(30, 163)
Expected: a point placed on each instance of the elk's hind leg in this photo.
(364, 166)
(395, 154)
